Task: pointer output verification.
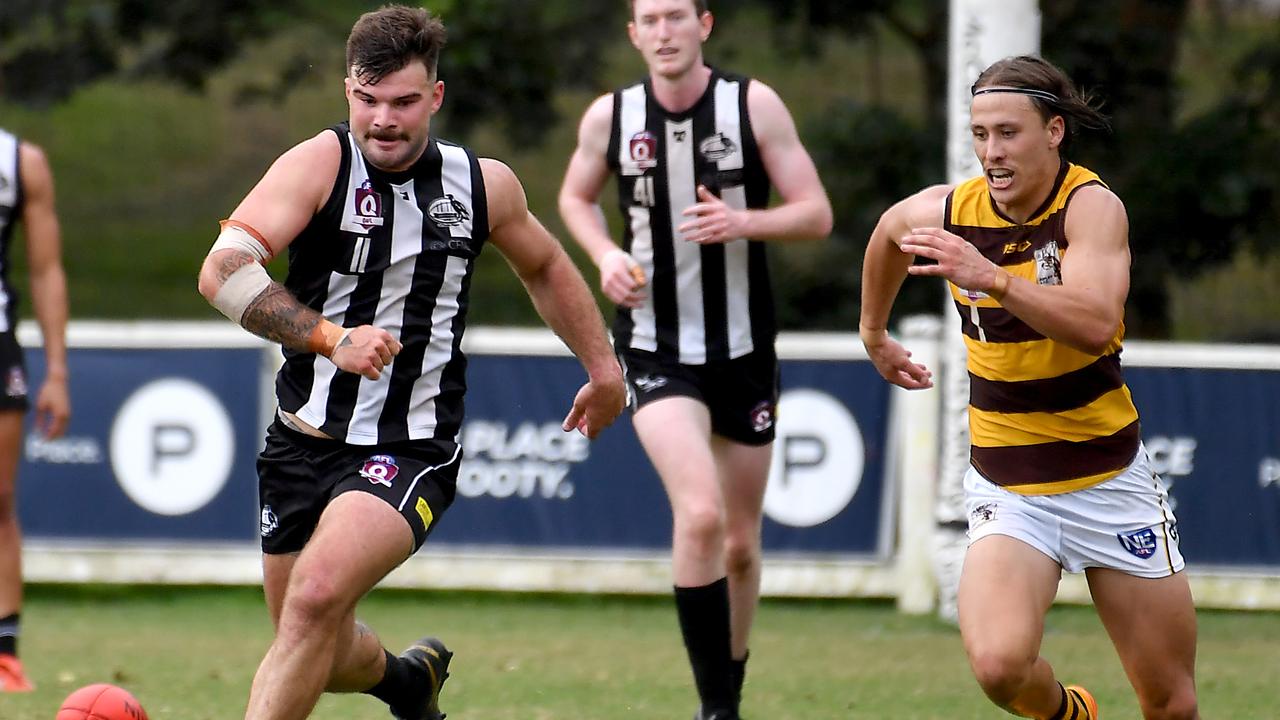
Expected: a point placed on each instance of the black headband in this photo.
(1033, 92)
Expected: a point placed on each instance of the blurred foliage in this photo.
(159, 115)
(1198, 191)
(49, 48)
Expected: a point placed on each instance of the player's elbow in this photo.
(570, 203)
(207, 282)
(1098, 337)
(824, 219)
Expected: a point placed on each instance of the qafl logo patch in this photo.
(448, 212)
(16, 382)
(368, 206)
(644, 149)
(762, 416)
(380, 470)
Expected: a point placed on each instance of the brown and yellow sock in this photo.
(1077, 704)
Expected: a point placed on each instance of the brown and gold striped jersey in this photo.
(1044, 418)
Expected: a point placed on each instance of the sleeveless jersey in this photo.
(393, 250)
(10, 211)
(1044, 418)
(705, 303)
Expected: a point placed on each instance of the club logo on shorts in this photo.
(984, 513)
(644, 150)
(649, 383)
(380, 470)
(762, 416)
(16, 385)
(1140, 544)
(368, 205)
(269, 521)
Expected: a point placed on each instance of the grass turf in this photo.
(190, 654)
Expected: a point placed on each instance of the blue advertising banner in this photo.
(1214, 436)
(161, 446)
(526, 483)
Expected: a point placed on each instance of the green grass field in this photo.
(190, 653)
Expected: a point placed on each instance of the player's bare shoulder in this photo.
(503, 192)
(320, 154)
(596, 124)
(926, 208)
(770, 119)
(1097, 215)
(33, 164)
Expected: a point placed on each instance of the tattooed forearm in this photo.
(278, 316)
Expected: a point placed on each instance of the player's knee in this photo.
(741, 553)
(700, 523)
(1001, 675)
(314, 599)
(1177, 705)
(8, 508)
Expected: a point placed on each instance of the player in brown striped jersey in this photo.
(1037, 258)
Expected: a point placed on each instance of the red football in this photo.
(101, 702)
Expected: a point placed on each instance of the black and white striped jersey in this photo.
(10, 211)
(705, 303)
(393, 250)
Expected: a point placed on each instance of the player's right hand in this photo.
(622, 279)
(597, 405)
(893, 362)
(366, 350)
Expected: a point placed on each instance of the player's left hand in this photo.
(597, 405)
(53, 407)
(957, 259)
(713, 221)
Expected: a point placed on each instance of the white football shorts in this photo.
(1124, 523)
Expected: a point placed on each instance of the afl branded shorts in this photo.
(1124, 523)
(298, 475)
(13, 374)
(741, 394)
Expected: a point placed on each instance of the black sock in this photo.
(398, 687)
(739, 669)
(704, 622)
(9, 635)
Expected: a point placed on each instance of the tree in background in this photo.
(1198, 190)
(1201, 186)
(511, 56)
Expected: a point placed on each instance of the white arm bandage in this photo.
(234, 236)
(240, 289)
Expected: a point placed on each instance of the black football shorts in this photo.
(741, 394)
(13, 374)
(298, 475)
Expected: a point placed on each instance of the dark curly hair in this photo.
(389, 38)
